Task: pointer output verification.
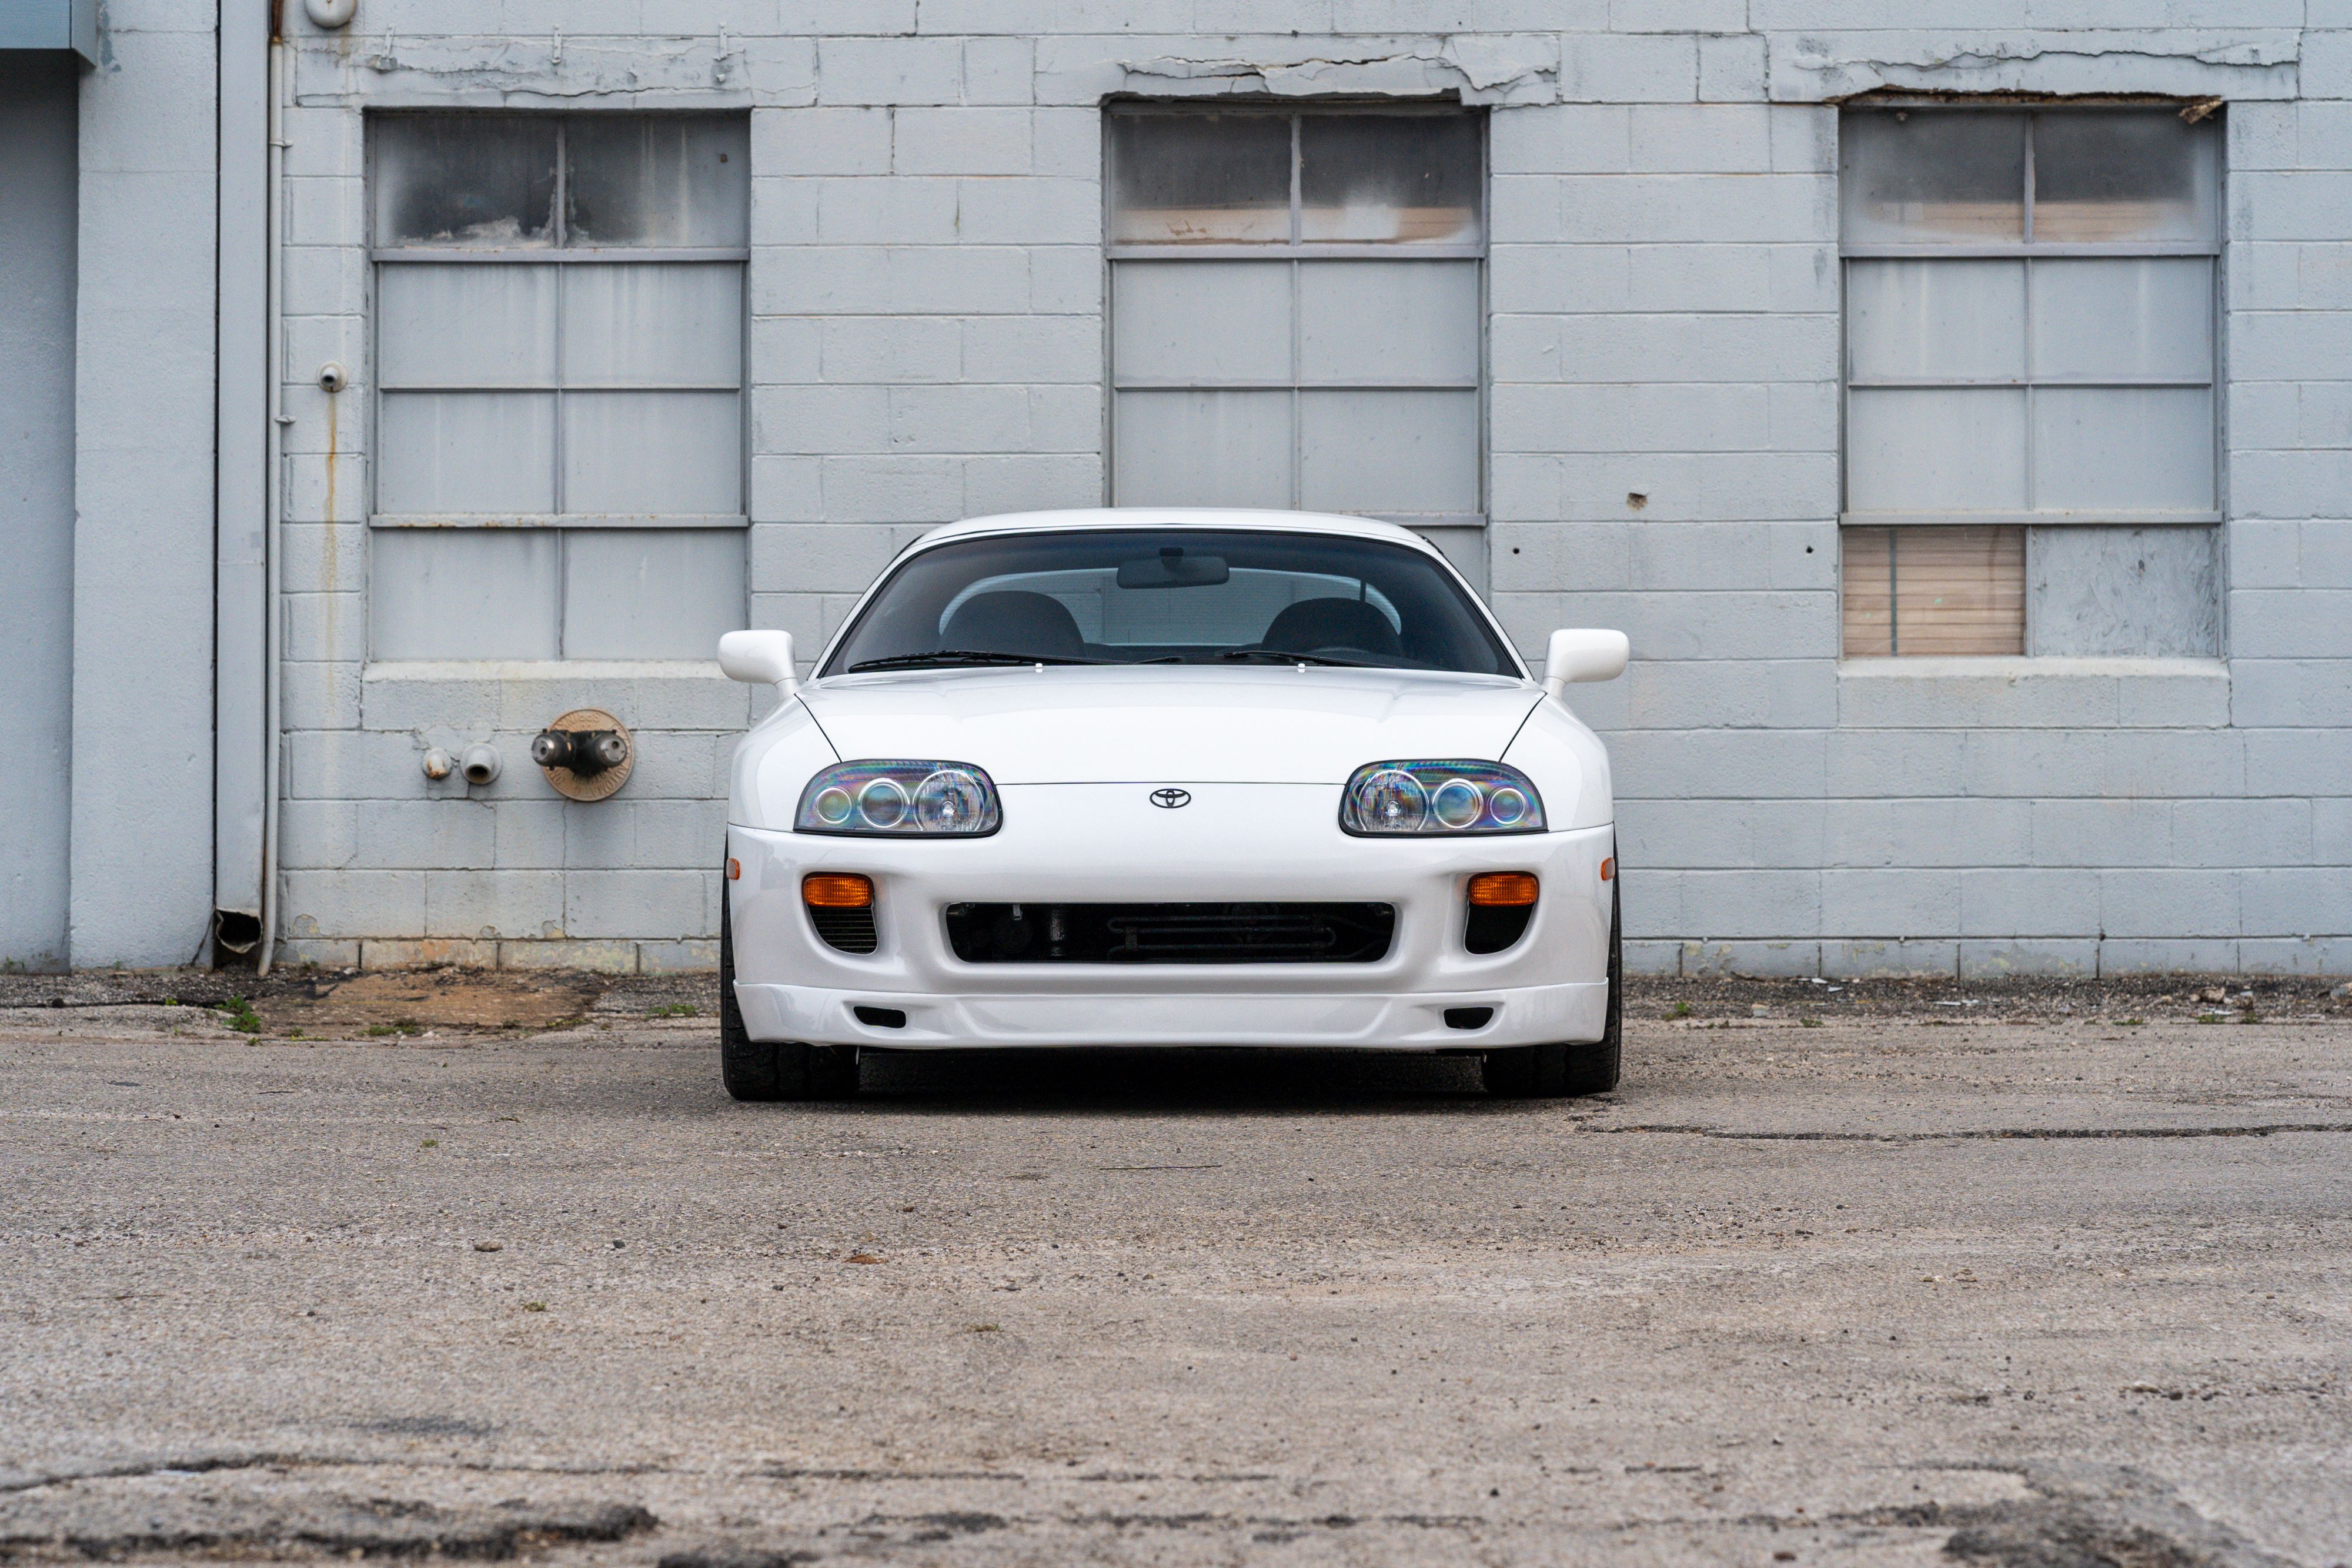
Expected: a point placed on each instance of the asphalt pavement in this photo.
(1927, 1285)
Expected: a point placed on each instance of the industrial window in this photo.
(2030, 428)
(1297, 312)
(559, 354)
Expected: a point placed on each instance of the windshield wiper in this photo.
(1274, 656)
(948, 656)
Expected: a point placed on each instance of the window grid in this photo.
(1297, 251)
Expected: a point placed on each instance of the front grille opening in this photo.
(1171, 933)
(881, 1018)
(1493, 927)
(849, 930)
(1469, 1018)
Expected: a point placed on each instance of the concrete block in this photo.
(1732, 694)
(1890, 694)
(421, 834)
(892, 350)
(2290, 623)
(632, 904)
(398, 953)
(2329, 955)
(893, 489)
(1698, 348)
(2029, 902)
(1653, 957)
(316, 835)
(1031, 210)
(2101, 833)
(1680, 764)
(1888, 960)
(1547, 276)
(1773, 960)
(1538, 556)
(820, 141)
(1764, 904)
(1065, 280)
(819, 557)
(1030, 482)
(786, 490)
(487, 905)
(1804, 138)
(2331, 831)
(317, 953)
(2297, 900)
(2169, 903)
(1925, 832)
(1999, 958)
(820, 420)
(2296, 761)
(903, 209)
(2169, 694)
(2239, 833)
(960, 141)
(318, 696)
(1065, 142)
(528, 834)
(892, 71)
(677, 957)
(352, 902)
(1731, 67)
(1559, 139)
(786, 349)
(883, 18)
(1608, 67)
(597, 958)
(1032, 350)
(2168, 955)
(1000, 70)
(1863, 763)
(1899, 902)
(679, 834)
(959, 419)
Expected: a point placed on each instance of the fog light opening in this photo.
(1502, 889)
(1469, 1018)
(881, 1018)
(837, 890)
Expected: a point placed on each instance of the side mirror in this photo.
(1582, 653)
(763, 658)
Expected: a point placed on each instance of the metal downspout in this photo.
(273, 555)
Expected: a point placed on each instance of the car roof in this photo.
(1175, 517)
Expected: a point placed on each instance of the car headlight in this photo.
(1384, 797)
(900, 800)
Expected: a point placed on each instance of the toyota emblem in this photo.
(1168, 800)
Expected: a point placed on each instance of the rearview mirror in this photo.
(763, 658)
(1171, 568)
(1584, 654)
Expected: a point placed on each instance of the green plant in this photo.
(534, 1306)
(1810, 1023)
(674, 1010)
(1680, 1010)
(430, 1144)
(241, 1016)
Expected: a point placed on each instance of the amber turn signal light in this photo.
(734, 869)
(1503, 889)
(1609, 868)
(833, 890)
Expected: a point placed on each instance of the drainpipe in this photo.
(273, 555)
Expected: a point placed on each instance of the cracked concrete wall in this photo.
(927, 342)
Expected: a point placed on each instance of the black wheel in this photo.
(771, 1069)
(1525, 1071)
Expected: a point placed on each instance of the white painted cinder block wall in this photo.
(927, 342)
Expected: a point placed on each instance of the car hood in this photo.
(1263, 724)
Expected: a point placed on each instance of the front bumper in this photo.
(1081, 843)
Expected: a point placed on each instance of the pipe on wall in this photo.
(273, 555)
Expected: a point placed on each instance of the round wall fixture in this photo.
(330, 14)
(577, 754)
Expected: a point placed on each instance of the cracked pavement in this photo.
(2026, 1288)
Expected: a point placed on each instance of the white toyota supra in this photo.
(1130, 777)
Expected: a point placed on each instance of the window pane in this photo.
(1922, 177)
(1388, 177)
(648, 324)
(1958, 590)
(1946, 320)
(1202, 449)
(1200, 179)
(2123, 448)
(464, 180)
(1866, 591)
(658, 179)
(653, 453)
(1389, 452)
(1388, 321)
(1201, 320)
(1935, 450)
(448, 453)
(465, 326)
(2105, 176)
(462, 593)
(652, 593)
(2123, 317)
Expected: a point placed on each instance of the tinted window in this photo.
(1137, 596)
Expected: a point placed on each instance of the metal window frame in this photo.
(2028, 251)
(556, 252)
(1297, 251)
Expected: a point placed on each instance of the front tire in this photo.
(1546, 1072)
(771, 1069)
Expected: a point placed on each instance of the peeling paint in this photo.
(1508, 69)
(2177, 62)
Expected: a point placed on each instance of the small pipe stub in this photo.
(586, 755)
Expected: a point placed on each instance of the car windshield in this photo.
(1134, 596)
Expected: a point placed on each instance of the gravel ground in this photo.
(484, 1266)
